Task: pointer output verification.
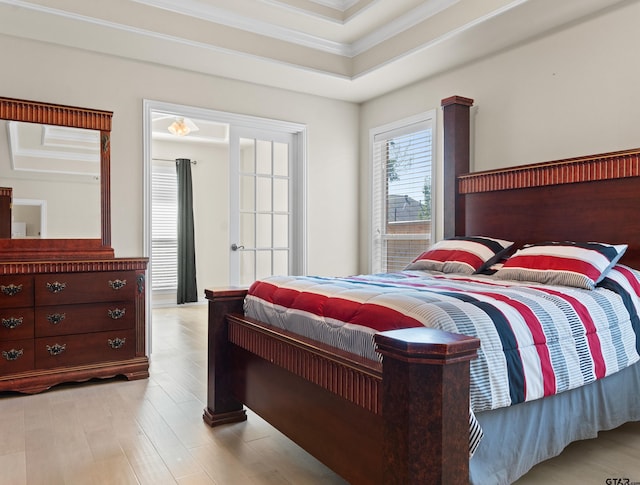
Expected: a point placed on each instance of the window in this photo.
(401, 190)
(164, 230)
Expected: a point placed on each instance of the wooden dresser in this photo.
(69, 309)
(66, 321)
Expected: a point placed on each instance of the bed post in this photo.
(425, 396)
(222, 407)
(456, 118)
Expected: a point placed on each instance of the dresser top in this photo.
(72, 266)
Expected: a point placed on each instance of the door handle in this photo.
(235, 247)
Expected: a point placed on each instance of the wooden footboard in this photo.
(405, 421)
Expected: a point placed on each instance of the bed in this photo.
(405, 419)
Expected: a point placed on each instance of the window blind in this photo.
(402, 188)
(164, 230)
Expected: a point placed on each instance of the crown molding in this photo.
(197, 9)
(387, 31)
(221, 16)
(341, 5)
(332, 13)
(399, 25)
(337, 78)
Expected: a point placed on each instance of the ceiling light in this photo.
(179, 127)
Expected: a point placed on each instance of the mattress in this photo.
(536, 340)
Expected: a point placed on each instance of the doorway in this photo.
(234, 242)
(29, 218)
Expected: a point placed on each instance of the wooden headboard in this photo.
(588, 198)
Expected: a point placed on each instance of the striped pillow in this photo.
(465, 255)
(562, 263)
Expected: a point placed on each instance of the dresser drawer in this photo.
(16, 356)
(16, 291)
(16, 323)
(68, 350)
(65, 288)
(95, 317)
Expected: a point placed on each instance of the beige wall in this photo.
(210, 184)
(574, 92)
(570, 93)
(56, 74)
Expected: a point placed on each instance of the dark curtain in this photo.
(187, 288)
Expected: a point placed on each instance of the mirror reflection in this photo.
(54, 172)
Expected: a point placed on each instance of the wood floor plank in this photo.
(196, 479)
(615, 453)
(12, 432)
(221, 464)
(151, 469)
(14, 468)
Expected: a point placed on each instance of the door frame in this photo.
(42, 204)
(299, 196)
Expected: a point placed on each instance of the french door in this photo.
(263, 223)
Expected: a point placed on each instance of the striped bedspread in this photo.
(536, 340)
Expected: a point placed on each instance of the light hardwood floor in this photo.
(151, 431)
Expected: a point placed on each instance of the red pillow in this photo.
(562, 263)
(465, 255)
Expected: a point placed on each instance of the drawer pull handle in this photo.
(117, 284)
(11, 290)
(117, 313)
(56, 349)
(116, 343)
(12, 322)
(13, 354)
(56, 318)
(56, 287)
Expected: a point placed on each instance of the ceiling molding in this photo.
(375, 61)
(335, 12)
(399, 25)
(31, 150)
(341, 5)
(386, 31)
(230, 19)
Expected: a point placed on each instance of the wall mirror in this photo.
(56, 160)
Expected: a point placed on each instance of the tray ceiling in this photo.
(345, 49)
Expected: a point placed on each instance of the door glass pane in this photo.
(247, 155)
(263, 194)
(263, 157)
(280, 231)
(280, 195)
(247, 193)
(263, 264)
(247, 230)
(247, 267)
(263, 231)
(263, 210)
(281, 159)
(281, 262)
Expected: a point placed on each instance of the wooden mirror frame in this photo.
(90, 119)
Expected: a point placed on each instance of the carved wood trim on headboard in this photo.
(590, 198)
(591, 168)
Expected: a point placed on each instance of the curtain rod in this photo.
(195, 162)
